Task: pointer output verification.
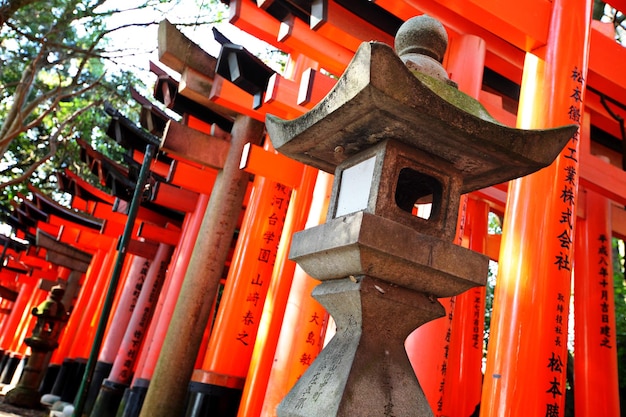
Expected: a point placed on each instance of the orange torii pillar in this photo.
(216, 388)
(68, 379)
(27, 286)
(276, 300)
(464, 375)
(527, 355)
(133, 398)
(10, 291)
(168, 388)
(27, 291)
(596, 390)
(305, 320)
(113, 387)
(133, 283)
(70, 332)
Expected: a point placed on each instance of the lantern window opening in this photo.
(418, 194)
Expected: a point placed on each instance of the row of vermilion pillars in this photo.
(133, 396)
(69, 358)
(167, 391)
(129, 294)
(128, 336)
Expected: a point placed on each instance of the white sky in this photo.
(141, 42)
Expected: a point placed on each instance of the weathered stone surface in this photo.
(396, 140)
(378, 98)
(393, 196)
(364, 370)
(421, 43)
(362, 243)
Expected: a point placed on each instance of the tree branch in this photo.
(56, 96)
(53, 146)
(10, 7)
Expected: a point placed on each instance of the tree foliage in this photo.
(619, 286)
(53, 81)
(58, 66)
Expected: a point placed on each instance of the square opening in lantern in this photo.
(418, 194)
(418, 190)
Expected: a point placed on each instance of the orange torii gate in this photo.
(324, 39)
(508, 34)
(507, 41)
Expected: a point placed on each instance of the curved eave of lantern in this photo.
(378, 98)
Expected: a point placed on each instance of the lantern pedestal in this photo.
(364, 370)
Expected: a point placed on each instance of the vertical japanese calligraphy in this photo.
(564, 249)
(443, 368)
(234, 333)
(605, 329)
(136, 290)
(259, 281)
(311, 332)
(595, 367)
(562, 259)
(130, 347)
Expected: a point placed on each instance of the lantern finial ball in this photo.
(421, 43)
(422, 35)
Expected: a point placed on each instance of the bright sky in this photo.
(142, 41)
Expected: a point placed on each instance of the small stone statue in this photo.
(51, 319)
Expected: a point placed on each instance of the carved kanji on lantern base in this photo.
(357, 373)
(398, 136)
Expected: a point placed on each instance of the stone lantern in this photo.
(51, 319)
(396, 133)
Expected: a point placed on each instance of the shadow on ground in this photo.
(8, 410)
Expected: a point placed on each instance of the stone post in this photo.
(168, 388)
